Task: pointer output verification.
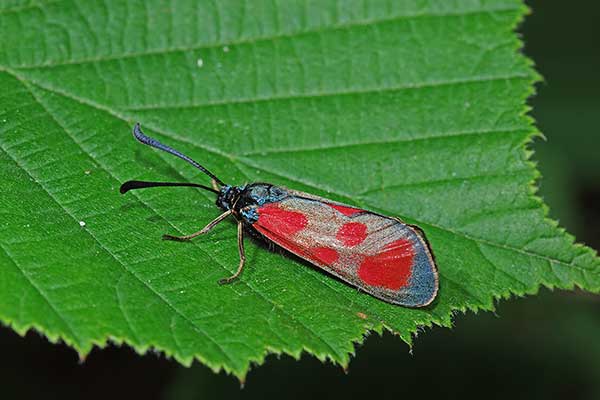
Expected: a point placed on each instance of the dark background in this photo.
(541, 346)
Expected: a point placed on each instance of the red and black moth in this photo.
(381, 255)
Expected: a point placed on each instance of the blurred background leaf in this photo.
(520, 343)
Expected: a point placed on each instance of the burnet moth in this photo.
(381, 255)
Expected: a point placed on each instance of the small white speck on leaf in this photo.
(199, 63)
(226, 49)
(87, 172)
(81, 223)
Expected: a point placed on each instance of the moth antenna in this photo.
(141, 137)
(132, 185)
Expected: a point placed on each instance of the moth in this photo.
(383, 256)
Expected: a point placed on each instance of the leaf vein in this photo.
(340, 93)
(396, 140)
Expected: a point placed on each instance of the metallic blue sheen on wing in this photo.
(422, 285)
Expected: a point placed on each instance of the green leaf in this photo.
(414, 109)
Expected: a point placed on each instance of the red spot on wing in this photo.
(348, 211)
(389, 269)
(280, 225)
(325, 255)
(352, 233)
(279, 221)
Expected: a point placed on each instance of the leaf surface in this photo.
(413, 109)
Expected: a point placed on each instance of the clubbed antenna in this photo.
(139, 135)
(132, 185)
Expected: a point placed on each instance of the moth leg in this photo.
(200, 232)
(240, 237)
